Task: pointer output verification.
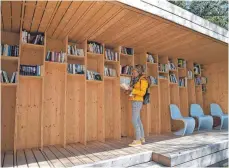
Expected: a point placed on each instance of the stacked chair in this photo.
(205, 122)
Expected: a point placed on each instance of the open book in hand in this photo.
(124, 86)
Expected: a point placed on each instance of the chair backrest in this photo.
(175, 112)
(196, 110)
(216, 110)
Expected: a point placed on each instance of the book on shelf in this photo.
(190, 74)
(76, 69)
(92, 75)
(30, 70)
(181, 63)
(171, 65)
(173, 78)
(9, 50)
(126, 69)
(73, 50)
(183, 81)
(198, 80)
(197, 69)
(6, 79)
(111, 55)
(163, 67)
(125, 82)
(55, 56)
(150, 58)
(95, 47)
(109, 71)
(126, 50)
(153, 80)
(32, 38)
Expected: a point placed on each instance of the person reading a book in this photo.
(136, 91)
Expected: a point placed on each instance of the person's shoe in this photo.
(136, 143)
(143, 140)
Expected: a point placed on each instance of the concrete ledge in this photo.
(188, 155)
(123, 161)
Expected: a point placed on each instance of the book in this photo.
(30, 70)
(150, 58)
(109, 71)
(190, 74)
(126, 69)
(76, 69)
(181, 63)
(95, 47)
(111, 55)
(5, 78)
(125, 82)
(73, 50)
(32, 38)
(126, 50)
(9, 50)
(183, 81)
(92, 75)
(173, 78)
(55, 56)
(197, 69)
(171, 65)
(153, 80)
(163, 67)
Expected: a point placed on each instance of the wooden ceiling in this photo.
(114, 24)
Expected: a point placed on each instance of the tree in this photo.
(213, 11)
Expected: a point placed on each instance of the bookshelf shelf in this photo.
(180, 69)
(55, 63)
(90, 54)
(76, 75)
(9, 58)
(94, 81)
(163, 79)
(30, 77)
(111, 62)
(182, 87)
(32, 46)
(110, 77)
(153, 86)
(173, 70)
(152, 64)
(171, 83)
(126, 55)
(125, 75)
(9, 84)
(75, 57)
(161, 72)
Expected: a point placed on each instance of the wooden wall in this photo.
(217, 86)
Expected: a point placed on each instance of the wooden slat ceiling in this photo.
(113, 24)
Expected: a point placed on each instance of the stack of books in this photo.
(73, 50)
(198, 80)
(95, 47)
(183, 81)
(111, 55)
(109, 72)
(33, 38)
(8, 50)
(181, 63)
(171, 65)
(5, 79)
(126, 69)
(173, 78)
(30, 70)
(150, 58)
(153, 80)
(125, 50)
(163, 67)
(92, 75)
(55, 56)
(76, 69)
(190, 74)
(197, 69)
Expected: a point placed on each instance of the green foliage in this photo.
(213, 11)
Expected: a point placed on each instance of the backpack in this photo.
(146, 97)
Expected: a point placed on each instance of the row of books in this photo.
(5, 78)
(183, 82)
(200, 80)
(173, 78)
(125, 50)
(9, 50)
(95, 47)
(30, 70)
(150, 58)
(76, 69)
(197, 69)
(181, 63)
(92, 75)
(55, 56)
(111, 55)
(33, 38)
(171, 65)
(73, 50)
(153, 80)
(190, 74)
(163, 67)
(109, 71)
(126, 69)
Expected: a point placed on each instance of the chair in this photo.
(189, 122)
(217, 111)
(204, 121)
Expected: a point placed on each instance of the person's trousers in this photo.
(136, 119)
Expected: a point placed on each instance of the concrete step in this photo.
(148, 165)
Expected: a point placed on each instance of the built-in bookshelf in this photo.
(68, 91)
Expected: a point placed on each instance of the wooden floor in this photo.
(77, 154)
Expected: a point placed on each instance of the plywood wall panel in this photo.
(75, 108)
(29, 110)
(54, 103)
(8, 107)
(217, 86)
(184, 108)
